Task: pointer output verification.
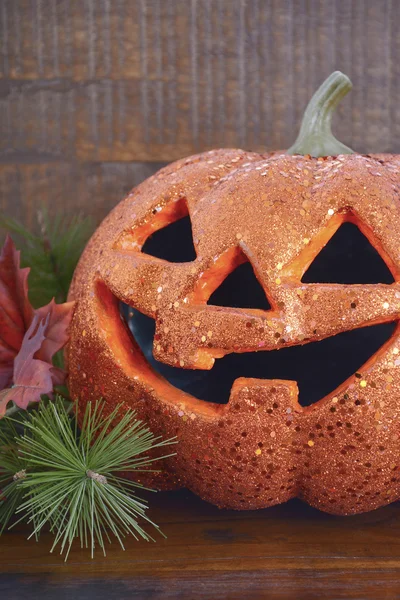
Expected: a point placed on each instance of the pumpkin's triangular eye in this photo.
(348, 258)
(240, 289)
(173, 242)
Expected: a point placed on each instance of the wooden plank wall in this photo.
(96, 94)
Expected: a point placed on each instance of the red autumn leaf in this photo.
(31, 376)
(60, 316)
(16, 312)
(6, 368)
(28, 338)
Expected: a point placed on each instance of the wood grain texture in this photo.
(101, 81)
(157, 79)
(290, 551)
(68, 187)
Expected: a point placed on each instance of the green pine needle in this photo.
(73, 483)
(12, 471)
(52, 254)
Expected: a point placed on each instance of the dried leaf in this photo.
(6, 372)
(60, 316)
(16, 312)
(32, 377)
(28, 338)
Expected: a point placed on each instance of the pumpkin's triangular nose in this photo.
(240, 289)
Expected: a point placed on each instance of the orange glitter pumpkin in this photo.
(277, 212)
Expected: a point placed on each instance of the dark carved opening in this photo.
(240, 289)
(348, 258)
(173, 242)
(318, 367)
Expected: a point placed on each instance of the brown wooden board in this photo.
(154, 80)
(62, 187)
(289, 551)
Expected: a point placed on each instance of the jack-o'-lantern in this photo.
(274, 212)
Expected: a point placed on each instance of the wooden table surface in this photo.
(289, 551)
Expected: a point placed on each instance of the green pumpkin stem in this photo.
(316, 137)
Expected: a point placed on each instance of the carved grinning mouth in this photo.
(317, 367)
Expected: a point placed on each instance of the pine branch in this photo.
(71, 477)
(52, 254)
(12, 471)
